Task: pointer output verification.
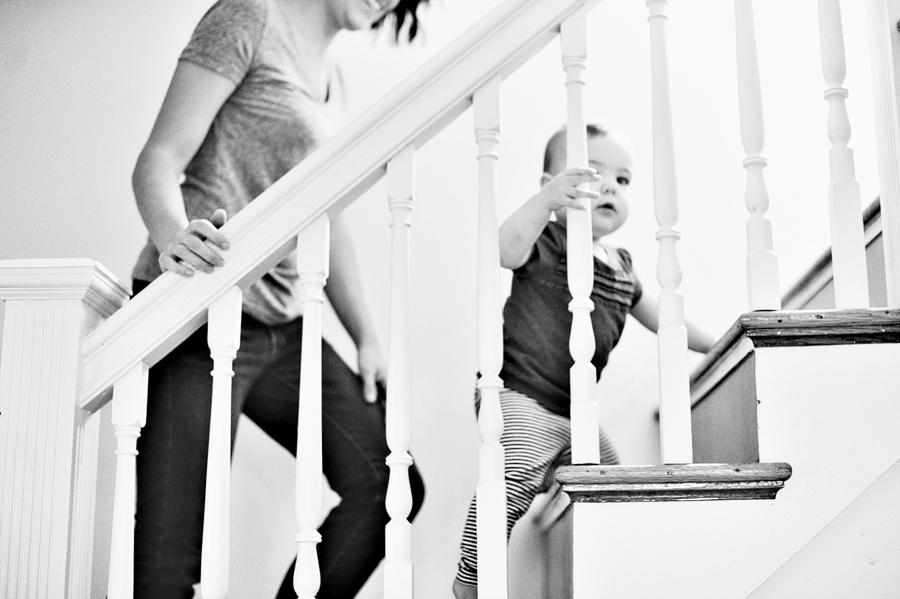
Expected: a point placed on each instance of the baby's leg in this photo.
(608, 456)
(532, 440)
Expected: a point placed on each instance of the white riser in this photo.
(832, 412)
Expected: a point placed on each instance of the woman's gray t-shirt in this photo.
(268, 125)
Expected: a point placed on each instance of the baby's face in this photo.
(612, 161)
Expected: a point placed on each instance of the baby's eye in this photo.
(623, 180)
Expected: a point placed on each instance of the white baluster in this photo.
(224, 339)
(490, 495)
(675, 414)
(398, 567)
(579, 253)
(129, 414)
(848, 250)
(312, 264)
(762, 265)
(885, 75)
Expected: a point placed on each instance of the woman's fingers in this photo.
(218, 218)
(196, 248)
(372, 369)
(204, 249)
(207, 231)
(197, 253)
(167, 262)
(370, 389)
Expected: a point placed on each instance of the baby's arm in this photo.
(519, 232)
(646, 312)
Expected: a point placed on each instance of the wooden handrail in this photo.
(170, 309)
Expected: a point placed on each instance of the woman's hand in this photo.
(194, 248)
(372, 369)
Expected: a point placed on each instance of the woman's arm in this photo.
(194, 98)
(646, 312)
(345, 294)
(519, 232)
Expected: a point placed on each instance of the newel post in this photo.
(48, 444)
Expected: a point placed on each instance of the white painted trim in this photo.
(63, 278)
(48, 446)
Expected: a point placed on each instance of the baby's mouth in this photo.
(606, 206)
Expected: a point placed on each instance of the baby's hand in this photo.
(562, 191)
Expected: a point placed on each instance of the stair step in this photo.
(678, 482)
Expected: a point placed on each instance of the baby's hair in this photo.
(593, 130)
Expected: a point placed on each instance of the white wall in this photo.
(82, 81)
(856, 555)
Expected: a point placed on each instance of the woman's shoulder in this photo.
(259, 8)
(232, 15)
(228, 36)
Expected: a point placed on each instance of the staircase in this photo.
(814, 387)
(832, 413)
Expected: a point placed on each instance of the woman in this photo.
(253, 94)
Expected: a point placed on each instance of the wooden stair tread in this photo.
(680, 482)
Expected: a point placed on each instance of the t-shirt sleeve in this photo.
(638, 288)
(227, 36)
(549, 244)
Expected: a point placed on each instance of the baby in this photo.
(536, 360)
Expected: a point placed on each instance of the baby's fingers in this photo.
(586, 193)
(573, 203)
(577, 176)
(577, 192)
(582, 171)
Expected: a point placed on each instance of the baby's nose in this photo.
(607, 186)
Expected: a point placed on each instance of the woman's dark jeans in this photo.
(171, 463)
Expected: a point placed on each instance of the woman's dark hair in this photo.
(405, 10)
